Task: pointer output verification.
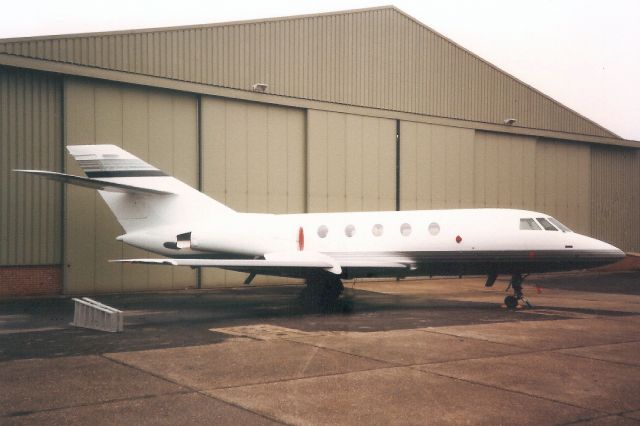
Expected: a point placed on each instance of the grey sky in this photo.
(584, 54)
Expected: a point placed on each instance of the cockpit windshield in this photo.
(528, 224)
(546, 224)
(559, 225)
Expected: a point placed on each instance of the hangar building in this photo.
(362, 110)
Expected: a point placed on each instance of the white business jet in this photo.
(163, 215)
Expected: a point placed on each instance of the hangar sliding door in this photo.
(351, 162)
(436, 166)
(30, 138)
(158, 126)
(446, 167)
(504, 170)
(253, 160)
(563, 182)
(615, 186)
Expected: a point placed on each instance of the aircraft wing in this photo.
(279, 265)
(240, 263)
(99, 184)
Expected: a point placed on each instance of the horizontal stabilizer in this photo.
(99, 184)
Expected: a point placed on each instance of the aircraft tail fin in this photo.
(139, 195)
(111, 161)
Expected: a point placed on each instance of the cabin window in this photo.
(434, 228)
(349, 230)
(405, 229)
(559, 225)
(323, 231)
(377, 230)
(545, 224)
(529, 224)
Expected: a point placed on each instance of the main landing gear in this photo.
(322, 293)
(516, 284)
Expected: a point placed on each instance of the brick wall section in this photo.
(16, 281)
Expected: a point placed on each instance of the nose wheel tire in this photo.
(511, 302)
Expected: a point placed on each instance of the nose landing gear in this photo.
(516, 284)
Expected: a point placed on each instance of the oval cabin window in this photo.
(323, 231)
(434, 228)
(349, 231)
(405, 229)
(377, 230)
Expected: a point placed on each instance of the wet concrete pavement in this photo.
(439, 351)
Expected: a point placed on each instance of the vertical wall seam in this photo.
(397, 165)
(199, 161)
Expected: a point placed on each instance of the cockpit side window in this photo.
(529, 224)
(558, 225)
(545, 224)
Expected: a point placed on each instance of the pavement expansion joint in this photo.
(305, 378)
(140, 370)
(566, 351)
(583, 421)
(436, 331)
(569, 315)
(488, 385)
(241, 407)
(94, 404)
(182, 385)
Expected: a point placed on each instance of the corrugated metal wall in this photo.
(351, 162)
(615, 191)
(30, 138)
(562, 185)
(445, 167)
(158, 126)
(378, 58)
(253, 160)
(436, 167)
(504, 170)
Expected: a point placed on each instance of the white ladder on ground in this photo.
(89, 313)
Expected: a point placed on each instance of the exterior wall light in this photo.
(259, 87)
(510, 121)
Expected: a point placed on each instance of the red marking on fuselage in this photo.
(458, 239)
(301, 238)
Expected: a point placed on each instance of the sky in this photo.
(583, 53)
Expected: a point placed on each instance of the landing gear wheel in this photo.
(321, 293)
(511, 302)
(518, 294)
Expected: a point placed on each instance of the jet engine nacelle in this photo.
(241, 240)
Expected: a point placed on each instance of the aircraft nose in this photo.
(610, 251)
(610, 247)
(619, 254)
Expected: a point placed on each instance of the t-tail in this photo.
(139, 195)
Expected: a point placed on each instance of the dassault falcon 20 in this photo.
(163, 215)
